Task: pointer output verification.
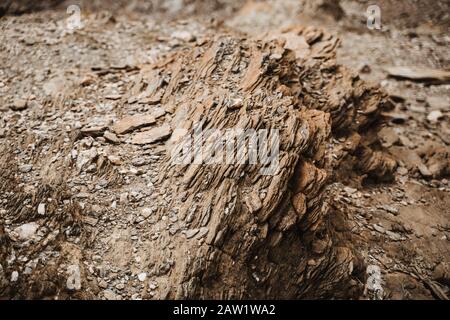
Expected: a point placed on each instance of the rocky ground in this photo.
(86, 209)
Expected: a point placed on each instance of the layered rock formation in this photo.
(237, 229)
(268, 236)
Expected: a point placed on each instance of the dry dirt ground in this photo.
(61, 90)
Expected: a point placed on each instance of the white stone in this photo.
(26, 231)
(183, 35)
(41, 209)
(74, 279)
(142, 276)
(14, 276)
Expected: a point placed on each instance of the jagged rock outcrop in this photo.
(268, 236)
(261, 227)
